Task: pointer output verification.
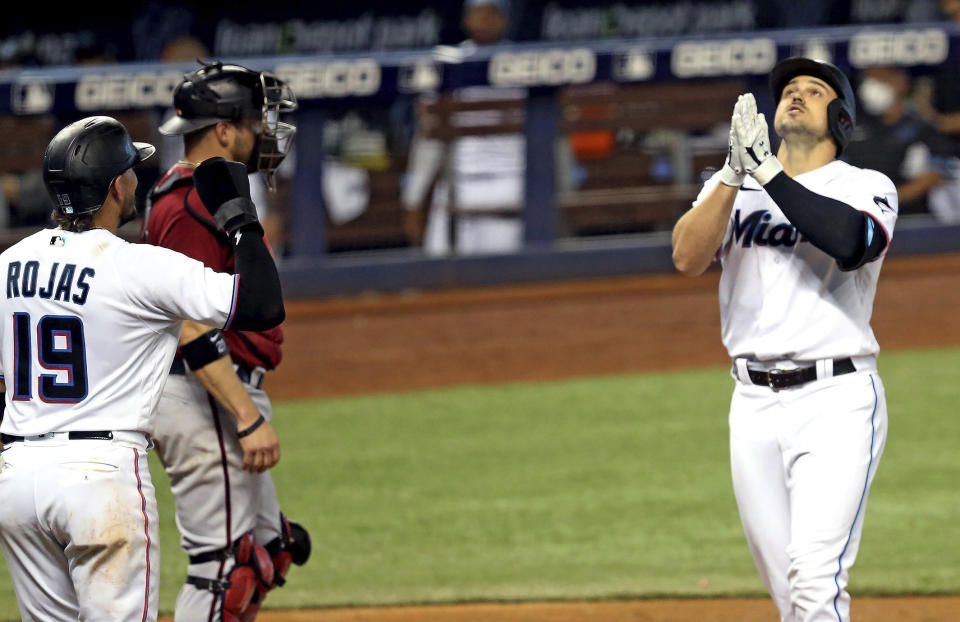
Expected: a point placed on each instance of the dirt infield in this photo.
(604, 326)
(926, 609)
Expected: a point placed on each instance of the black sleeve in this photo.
(259, 303)
(848, 235)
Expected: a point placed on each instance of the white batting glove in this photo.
(732, 173)
(753, 138)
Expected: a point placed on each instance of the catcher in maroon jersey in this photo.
(239, 543)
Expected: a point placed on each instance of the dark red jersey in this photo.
(178, 220)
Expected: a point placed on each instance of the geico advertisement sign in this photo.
(126, 90)
(723, 58)
(349, 78)
(910, 47)
(547, 68)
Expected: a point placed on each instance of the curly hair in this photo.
(78, 223)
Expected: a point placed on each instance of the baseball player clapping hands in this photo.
(800, 236)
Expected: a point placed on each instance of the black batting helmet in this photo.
(83, 160)
(213, 93)
(218, 92)
(841, 112)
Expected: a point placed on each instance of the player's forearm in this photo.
(207, 355)
(839, 230)
(221, 381)
(259, 298)
(699, 233)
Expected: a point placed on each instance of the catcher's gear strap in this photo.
(259, 297)
(172, 182)
(217, 232)
(217, 586)
(205, 349)
(218, 555)
(846, 234)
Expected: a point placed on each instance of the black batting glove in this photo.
(224, 188)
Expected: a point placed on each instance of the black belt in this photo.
(778, 379)
(244, 372)
(96, 435)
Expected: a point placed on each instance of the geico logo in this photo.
(138, 90)
(336, 79)
(717, 58)
(910, 47)
(549, 67)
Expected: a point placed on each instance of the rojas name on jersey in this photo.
(66, 282)
(755, 229)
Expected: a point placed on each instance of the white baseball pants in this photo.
(802, 462)
(78, 527)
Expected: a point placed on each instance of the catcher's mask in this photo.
(218, 92)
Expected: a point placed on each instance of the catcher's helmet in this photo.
(841, 112)
(218, 92)
(83, 160)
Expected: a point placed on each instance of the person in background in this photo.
(895, 140)
(938, 99)
(473, 184)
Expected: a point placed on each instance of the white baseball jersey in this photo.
(66, 290)
(783, 298)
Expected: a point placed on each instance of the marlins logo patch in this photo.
(883, 204)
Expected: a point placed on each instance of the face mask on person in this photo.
(876, 96)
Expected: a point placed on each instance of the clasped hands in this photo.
(748, 150)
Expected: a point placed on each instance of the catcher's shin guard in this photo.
(252, 572)
(293, 547)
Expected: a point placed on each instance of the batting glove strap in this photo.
(730, 177)
(767, 170)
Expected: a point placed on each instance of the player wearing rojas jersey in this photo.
(88, 329)
(801, 237)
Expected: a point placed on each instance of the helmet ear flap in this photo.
(840, 123)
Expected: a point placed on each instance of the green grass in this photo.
(591, 488)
